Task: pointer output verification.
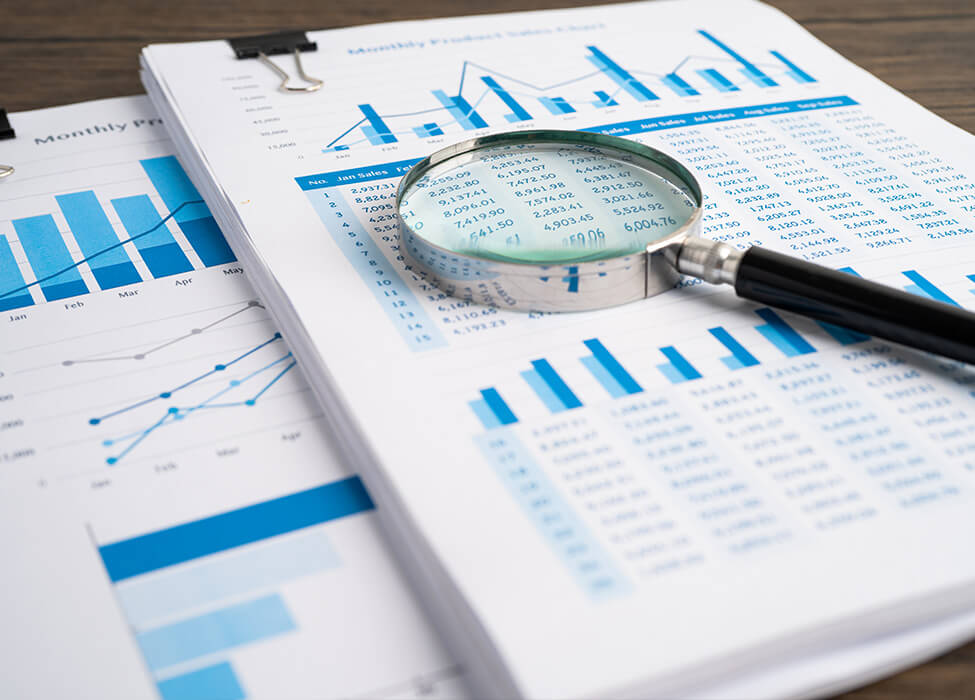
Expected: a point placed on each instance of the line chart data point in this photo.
(94, 421)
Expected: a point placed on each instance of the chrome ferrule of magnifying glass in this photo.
(571, 286)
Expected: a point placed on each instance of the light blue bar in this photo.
(564, 105)
(613, 366)
(48, 255)
(672, 373)
(604, 99)
(519, 112)
(10, 280)
(717, 80)
(568, 537)
(217, 682)
(261, 565)
(679, 85)
(498, 406)
(159, 250)
(759, 79)
(680, 363)
(393, 294)
(175, 188)
(92, 230)
(556, 383)
(795, 72)
(603, 377)
(844, 336)
(544, 391)
(621, 77)
(752, 71)
(924, 287)
(551, 105)
(460, 110)
(378, 127)
(484, 412)
(374, 138)
(213, 632)
(782, 335)
(741, 356)
(732, 363)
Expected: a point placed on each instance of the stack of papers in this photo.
(687, 495)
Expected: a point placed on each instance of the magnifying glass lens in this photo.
(545, 203)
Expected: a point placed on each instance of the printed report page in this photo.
(178, 525)
(686, 482)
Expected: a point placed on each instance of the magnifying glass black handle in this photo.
(839, 298)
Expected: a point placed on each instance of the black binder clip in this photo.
(6, 132)
(260, 47)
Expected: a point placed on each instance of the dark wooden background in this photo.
(58, 51)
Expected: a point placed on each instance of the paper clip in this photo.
(6, 132)
(260, 47)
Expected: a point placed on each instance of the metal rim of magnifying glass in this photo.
(565, 286)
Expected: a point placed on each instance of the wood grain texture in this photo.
(58, 51)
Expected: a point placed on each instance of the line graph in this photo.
(481, 86)
(193, 332)
(168, 393)
(174, 414)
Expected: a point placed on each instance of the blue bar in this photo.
(155, 243)
(634, 87)
(605, 358)
(543, 391)
(498, 406)
(679, 85)
(383, 171)
(433, 129)
(555, 383)
(750, 68)
(216, 631)
(551, 105)
(926, 288)
(461, 110)
(517, 110)
(218, 533)
(374, 138)
(613, 387)
(678, 369)
(208, 242)
(97, 239)
(232, 575)
(10, 280)
(782, 335)
(216, 682)
(48, 256)
(718, 80)
(604, 99)
(383, 132)
(795, 71)
(759, 79)
(485, 414)
(740, 357)
(176, 190)
(563, 105)
(844, 336)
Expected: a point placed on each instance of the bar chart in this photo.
(41, 255)
(196, 593)
(487, 97)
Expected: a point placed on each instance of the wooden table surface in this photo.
(54, 52)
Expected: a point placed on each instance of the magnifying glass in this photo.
(572, 221)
